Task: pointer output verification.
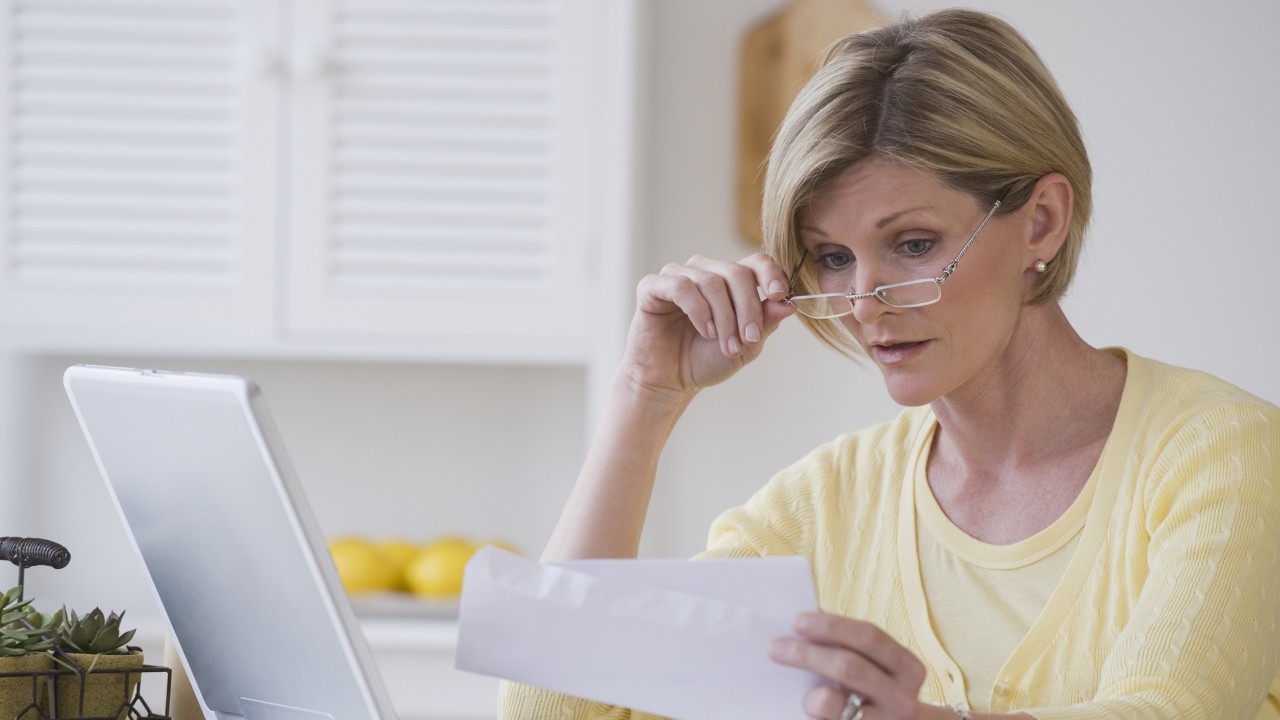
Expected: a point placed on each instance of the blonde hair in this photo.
(958, 94)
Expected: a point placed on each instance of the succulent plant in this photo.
(93, 633)
(22, 629)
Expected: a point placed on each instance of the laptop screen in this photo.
(232, 551)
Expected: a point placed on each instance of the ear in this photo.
(1048, 217)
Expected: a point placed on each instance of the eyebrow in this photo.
(890, 218)
(880, 224)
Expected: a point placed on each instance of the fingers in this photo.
(721, 299)
(856, 657)
(739, 317)
(773, 283)
(851, 671)
(876, 644)
(769, 277)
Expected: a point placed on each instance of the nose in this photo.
(869, 309)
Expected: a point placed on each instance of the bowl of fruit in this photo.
(398, 576)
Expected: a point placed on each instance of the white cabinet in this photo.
(432, 178)
(186, 181)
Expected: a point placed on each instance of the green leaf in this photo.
(93, 633)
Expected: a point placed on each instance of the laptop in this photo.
(232, 551)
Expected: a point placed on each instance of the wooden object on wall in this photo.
(778, 55)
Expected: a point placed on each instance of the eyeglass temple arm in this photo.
(795, 275)
(946, 272)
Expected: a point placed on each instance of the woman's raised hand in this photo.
(695, 324)
(698, 323)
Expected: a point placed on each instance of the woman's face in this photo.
(881, 223)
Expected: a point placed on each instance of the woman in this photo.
(1049, 529)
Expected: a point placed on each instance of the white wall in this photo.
(1179, 103)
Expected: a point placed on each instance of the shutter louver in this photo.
(442, 145)
(122, 145)
(447, 173)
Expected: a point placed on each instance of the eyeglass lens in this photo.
(901, 295)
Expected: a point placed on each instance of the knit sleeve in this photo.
(523, 702)
(777, 520)
(1202, 639)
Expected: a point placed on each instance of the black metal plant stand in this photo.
(44, 685)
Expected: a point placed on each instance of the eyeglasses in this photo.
(909, 294)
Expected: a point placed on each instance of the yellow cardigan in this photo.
(1170, 607)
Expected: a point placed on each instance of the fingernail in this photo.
(753, 332)
(735, 347)
(805, 622)
(711, 330)
(776, 288)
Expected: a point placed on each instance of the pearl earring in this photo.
(1041, 266)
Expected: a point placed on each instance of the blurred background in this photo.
(418, 225)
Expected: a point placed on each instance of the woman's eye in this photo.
(835, 260)
(917, 247)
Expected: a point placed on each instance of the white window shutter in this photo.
(438, 174)
(133, 179)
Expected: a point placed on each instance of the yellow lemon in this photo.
(399, 553)
(362, 567)
(437, 570)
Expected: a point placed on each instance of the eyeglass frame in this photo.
(877, 291)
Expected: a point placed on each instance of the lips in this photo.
(891, 352)
(891, 344)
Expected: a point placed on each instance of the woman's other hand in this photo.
(698, 323)
(857, 657)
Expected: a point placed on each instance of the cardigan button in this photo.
(1003, 689)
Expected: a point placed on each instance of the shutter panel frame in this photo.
(439, 200)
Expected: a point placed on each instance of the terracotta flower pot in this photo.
(106, 694)
(24, 698)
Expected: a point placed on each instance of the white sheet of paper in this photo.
(686, 639)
